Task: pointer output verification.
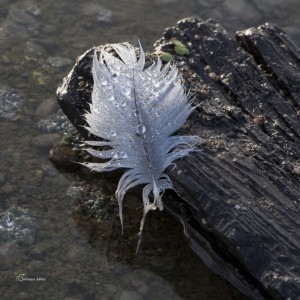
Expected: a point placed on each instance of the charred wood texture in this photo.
(239, 198)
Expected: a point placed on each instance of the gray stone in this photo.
(102, 14)
(140, 286)
(19, 22)
(46, 108)
(6, 189)
(46, 140)
(7, 249)
(2, 177)
(163, 2)
(130, 295)
(33, 10)
(110, 287)
(37, 264)
(59, 62)
(20, 16)
(34, 48)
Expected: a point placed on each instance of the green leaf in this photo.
(165, 56)
(182, 50)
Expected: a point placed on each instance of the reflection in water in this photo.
(81, 257)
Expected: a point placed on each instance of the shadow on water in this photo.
(49, 246)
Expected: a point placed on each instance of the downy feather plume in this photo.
(135, 111)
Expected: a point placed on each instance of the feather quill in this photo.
(135, 111)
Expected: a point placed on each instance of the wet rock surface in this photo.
(239, 196)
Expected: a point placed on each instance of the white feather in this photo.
(135, 111)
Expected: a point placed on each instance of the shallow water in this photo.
(51, 250)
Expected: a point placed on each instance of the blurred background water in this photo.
(54, 253)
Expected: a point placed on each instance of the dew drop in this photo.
(113, 133)
(157, 114)
(154, 93)
(126, 91)
(97, 110)
(114, 154)
(117, 104)
(110, 97)
(141, 129)
(103, 81)
(156, 84)
(123, 103)
(123, 154)
(115, 76)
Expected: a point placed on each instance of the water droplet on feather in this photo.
(115, 76)
(156, 84)
(154, 93)
(141, 129)
(126, 91)
(110, 97)
(123, 103)
(103, 81)
(123, 154)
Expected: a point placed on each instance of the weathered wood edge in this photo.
(245, 174)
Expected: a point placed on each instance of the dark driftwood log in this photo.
(240, 197)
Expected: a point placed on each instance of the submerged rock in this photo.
(130, 295)
(59, 62)
(21, 21)
(102, 14)
(46, 140)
